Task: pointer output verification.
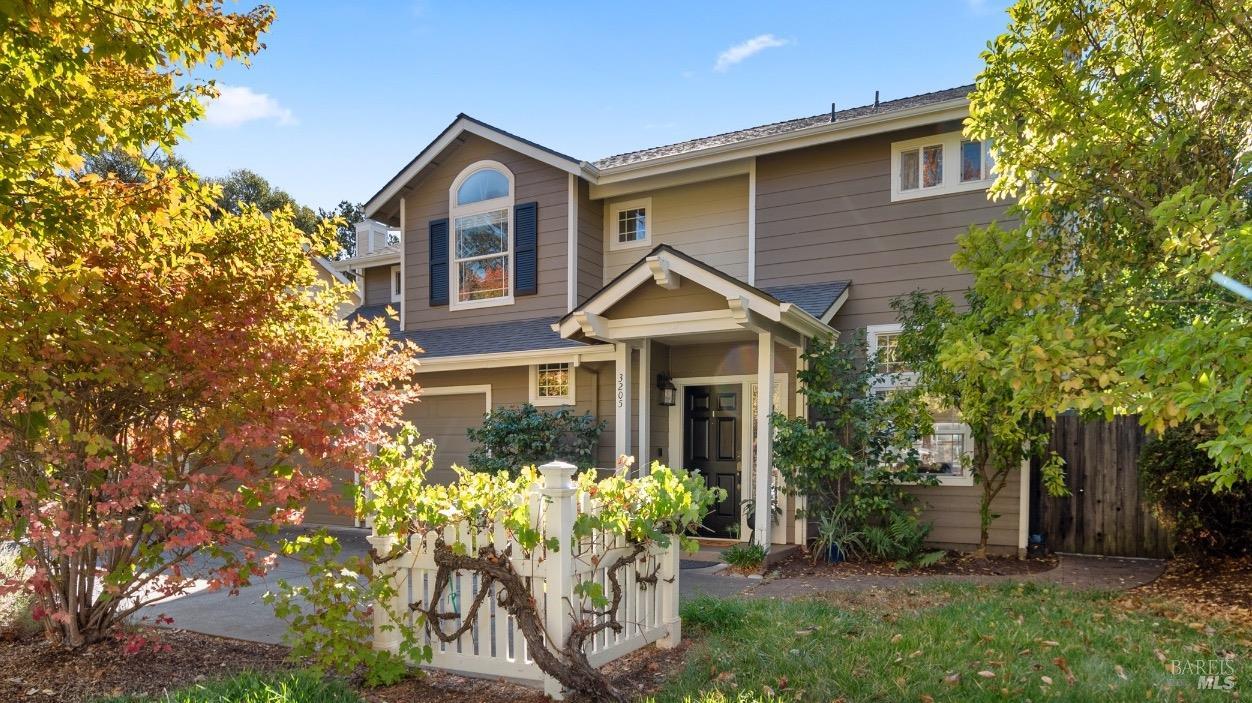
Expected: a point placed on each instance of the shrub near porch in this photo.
(944, 643)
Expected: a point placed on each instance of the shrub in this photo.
(1208, 522)
(745, 556)
(858, 452)
(515, 437)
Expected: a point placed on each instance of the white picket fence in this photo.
(494, 647)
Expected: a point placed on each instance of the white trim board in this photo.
(473, 362)
(435, 391)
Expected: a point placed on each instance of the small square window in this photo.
(909, 168)
(632, 225)
(553, 384)
(629, 224)
(976, 161)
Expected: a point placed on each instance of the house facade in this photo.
(697, 270)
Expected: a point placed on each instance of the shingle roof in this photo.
(374, 312)
(782, 127)
(813, 298)
(494, 338)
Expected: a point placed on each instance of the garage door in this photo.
(445, 418)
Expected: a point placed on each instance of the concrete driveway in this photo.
(247, 617)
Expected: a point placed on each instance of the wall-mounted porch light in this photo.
(669, 393)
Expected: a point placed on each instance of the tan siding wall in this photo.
(707, 220)
(377, 285)
(651, 300)
(954, 512)
(590, 243)
(825, 213)
(428, 200)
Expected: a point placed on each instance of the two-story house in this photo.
(668, 290)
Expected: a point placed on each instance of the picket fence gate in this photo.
(494, 647)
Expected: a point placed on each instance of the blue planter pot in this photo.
(834, 554)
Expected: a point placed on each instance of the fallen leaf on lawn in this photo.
(726, 676)
(952, 679)
(1047, 680)
(918, 653)
(782, 682)
(1121, 673)
(987, 674)
(1052, 643)
(1160, 656)
(769, 692)
(805, 631)
(896, 638)
(927, 698)
(1064, 667)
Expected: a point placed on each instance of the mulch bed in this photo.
(32, 670)
(1198, 591)
(639, 673)
(955, 563)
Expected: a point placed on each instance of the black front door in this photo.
(711, 446)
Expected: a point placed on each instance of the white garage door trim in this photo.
(484, 388)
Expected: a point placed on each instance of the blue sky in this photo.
(348, 92)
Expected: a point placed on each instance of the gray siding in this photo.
(377, 285)
(825, 213)
(428, 200)
(590, 243)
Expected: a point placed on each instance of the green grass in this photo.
(932, 643)
(293, 687)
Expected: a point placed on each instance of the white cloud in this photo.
(747, 49)
(237, 105)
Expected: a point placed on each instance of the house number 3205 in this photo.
(621, 389)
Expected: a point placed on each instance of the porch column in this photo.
(643, 458)
(764, 438)
(621, 404)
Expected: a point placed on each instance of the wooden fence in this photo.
(1105, 512)
(494, 647)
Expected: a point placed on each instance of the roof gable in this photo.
(461, 125)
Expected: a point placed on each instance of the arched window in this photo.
(481, 236)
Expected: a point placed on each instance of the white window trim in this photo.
(552, 401)
(610, 223)
(457, 211)
(907, 380)
(397, 291)
(951, 182)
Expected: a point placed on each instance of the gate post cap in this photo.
(558, 474)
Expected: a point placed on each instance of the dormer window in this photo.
(481, 236)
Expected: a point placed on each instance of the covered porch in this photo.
(695, 352)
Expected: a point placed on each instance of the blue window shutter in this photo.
(526, 252)
(438, 262)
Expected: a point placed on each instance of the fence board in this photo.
(1105, 512)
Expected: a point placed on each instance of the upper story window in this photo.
(630, 223)
(481, 232)
(552, 384)
(943, 163)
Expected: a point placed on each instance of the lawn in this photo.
(945, 643)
